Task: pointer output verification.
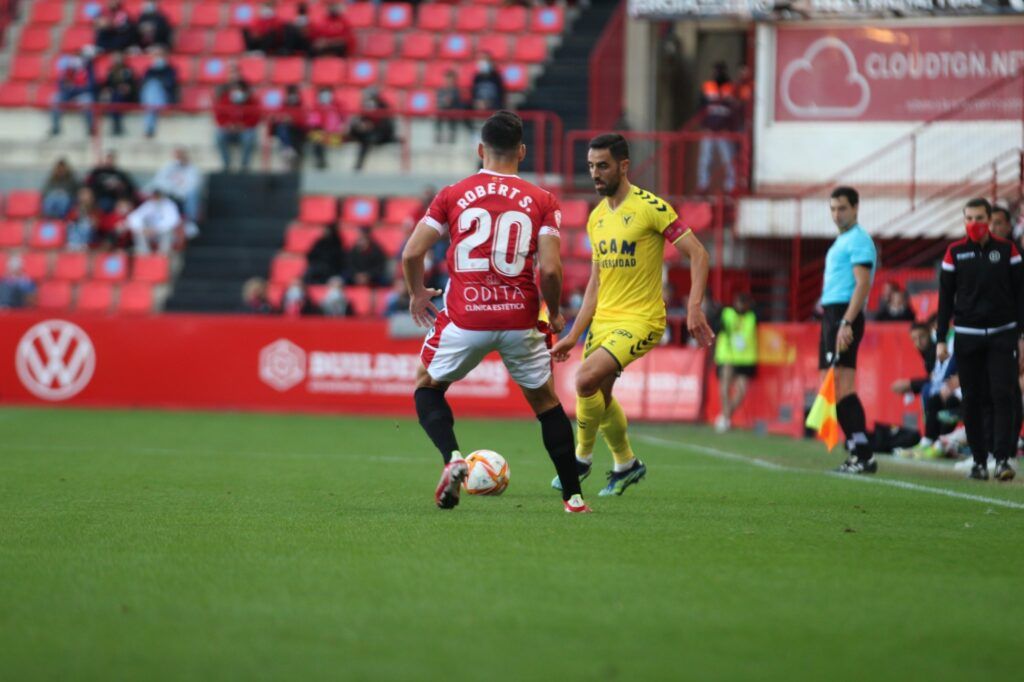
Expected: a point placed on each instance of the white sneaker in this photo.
(721, 424)
(968, 462)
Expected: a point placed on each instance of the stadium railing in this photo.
(606, 67)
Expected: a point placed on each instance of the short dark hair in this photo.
(1005, 211)
(615, 144)
(503, 132)
(921, 326)
(978, 202)
(844, 191)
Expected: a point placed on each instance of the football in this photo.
(488, 473)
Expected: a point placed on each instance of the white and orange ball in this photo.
(488, 473)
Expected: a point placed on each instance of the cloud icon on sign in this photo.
(815, 77)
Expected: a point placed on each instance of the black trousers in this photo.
(988, 377)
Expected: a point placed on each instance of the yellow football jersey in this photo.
(628, 244)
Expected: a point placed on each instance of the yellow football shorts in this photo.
(626, 340)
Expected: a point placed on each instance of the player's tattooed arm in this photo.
(420, 307)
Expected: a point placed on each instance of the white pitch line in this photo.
(764, 464)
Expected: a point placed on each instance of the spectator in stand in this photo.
(374, 126)
(266, 33)
(1002, 224)
(488, 90)
(16, 290)
(326, 258)
(112, 232)
(254, 297)
(110, 184)
(325, 124)
(333, 36)
(334, 303)
(449, 98)
(898, 308)
(398, 299)
(296, 301)
(237, 115)
(76, 84)
(84, 220)
(717, 115)
(154, 28)
(59, 191)
(367, 262)
(288, 125)
(297, 35)
(155, 225)
(159, 88)
(115, 31)
(888, 288)
(180, 180)
(119, 88)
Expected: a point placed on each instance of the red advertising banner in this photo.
(890, 72)
(268, 363)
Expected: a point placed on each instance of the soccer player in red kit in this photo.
(500, 227)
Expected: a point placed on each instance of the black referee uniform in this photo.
(982, 288)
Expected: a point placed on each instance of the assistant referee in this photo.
(981, 289)
(849, 269)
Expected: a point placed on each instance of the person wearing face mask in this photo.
(326, 125)
(180, 180)
(154, 28)
(237, 114)
(296, 35)
(159, 88)
(488, 90)
(288, 125)
(332, 36)
(266, 32)
(981, 289)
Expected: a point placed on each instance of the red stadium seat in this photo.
(136, 298)
(530, 49)
(287, 70)
(318, 210)
(510, 20)
(54, 295)
(363, 72)
(287, 267)
(402, 74)
(95, 297)
(329, 71)
(47, 13)
(15, 95)
(361, 14)
(254, 69)
(395, 16)
(197, 98)
(175, 12)
(398, 210)
(394, 97)
(47, 234)
(36, 265)
(575, 275)
(213, 71)
(421, 101)
(495, 45)
(23, 203)
(390, 239)
(472, 19)
(184, 66)
(360, 300)
(378, 45)
(12, 233)
(419, 45)
(697, 215)
(349, 99)
(516, 77)
(138, 63)
(361, 211)
(227, 42)
(192, 42)
(456, 46)
(153, 269)
(575, 213)
(434, 75)
(110, 267)
(242, 14)
(3, 263)
(300, 238)
(27, 68)
(44, 94)
(71, 267)
(34, 39)
(434, 17)
(547, 20)
(577, 243)
(75, 38)
(205, 15)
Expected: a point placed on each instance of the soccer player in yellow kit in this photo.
(623, 305)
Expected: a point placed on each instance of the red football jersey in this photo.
(494, 221)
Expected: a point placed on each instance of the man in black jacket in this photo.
(982, 287)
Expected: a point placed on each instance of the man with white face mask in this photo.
(237, 114)
(488, 91)
(159, 88)
(982, 288)
(154, 27)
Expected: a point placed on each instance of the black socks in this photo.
(850, 412)
(556, 431)
(436, 418)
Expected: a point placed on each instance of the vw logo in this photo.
(55, 360)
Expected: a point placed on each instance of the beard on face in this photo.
(609, 188)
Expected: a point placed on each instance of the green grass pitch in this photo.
(185, 546)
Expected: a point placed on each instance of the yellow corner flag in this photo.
(823, 417)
